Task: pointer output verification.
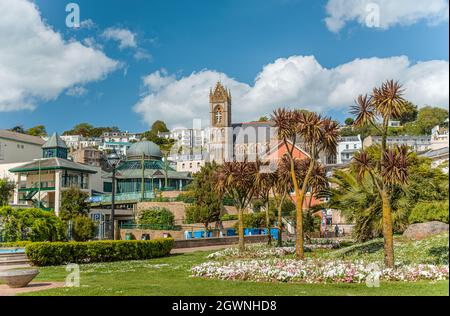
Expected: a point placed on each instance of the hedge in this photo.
(60, 253)
(14, 244)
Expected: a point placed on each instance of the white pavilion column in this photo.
(16, 189)
(58, 185)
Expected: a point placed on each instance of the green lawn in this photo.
(171, 276)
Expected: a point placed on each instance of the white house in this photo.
(347, 146)
(17, 147)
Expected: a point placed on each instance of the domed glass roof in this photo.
(146, 148)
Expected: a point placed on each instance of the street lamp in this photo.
(113, 160)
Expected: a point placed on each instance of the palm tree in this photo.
(280, 190)
(317, 134)
(385, 103)
(264, 182)
(318, 183)
(237, 180)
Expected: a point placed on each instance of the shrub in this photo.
(429, 211)
(60, 253)
(157, 216)
(256, 220)
(31, 224)
(83, 228)
(229, 217)
(17, 244)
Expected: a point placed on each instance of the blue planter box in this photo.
(274, 233)
(246, 232)
(199, 234)
(189, 235)
(255, 231)
(231, 232)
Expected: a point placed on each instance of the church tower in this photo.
(220, 117)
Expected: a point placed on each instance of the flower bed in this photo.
(256, 251)
(262, 251)
(315, 271)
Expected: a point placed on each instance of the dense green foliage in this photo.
(429, 211)
(14, 244)
(38, 130)
(257, 220)
(361, 204)
(156, 216)
(229, 217)
(30, 224)
(74, 202)
(83, 228)
(6, 190)
(59, 253)
(87, 130)
(414, 122)
(206, 202)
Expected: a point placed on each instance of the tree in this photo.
(409, 114)
(429, 117)
(387, 103)
(83, 129)
(263, 119)
(83, 229)
(349, 121)
(318, 183)
(207, 202)
(360, 201)
(18, 129)
(6, 190)
(88, 130)
(38, 130)
(152, 134)
(237, 180)
(74, 202)
(264, 183)
(280, 190)
(318, 135)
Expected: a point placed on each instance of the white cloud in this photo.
(36, 63)
(398, 12)
(77, 91)
(297, 81)
(142, 54)
(88, 24)
(126, 38)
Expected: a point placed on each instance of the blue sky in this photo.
(193, 43)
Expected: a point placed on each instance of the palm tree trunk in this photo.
(299, 233)
(300, 252)
(269, 235)
(241, 230)
(387, 230)
(387, 212)
(280, 224)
